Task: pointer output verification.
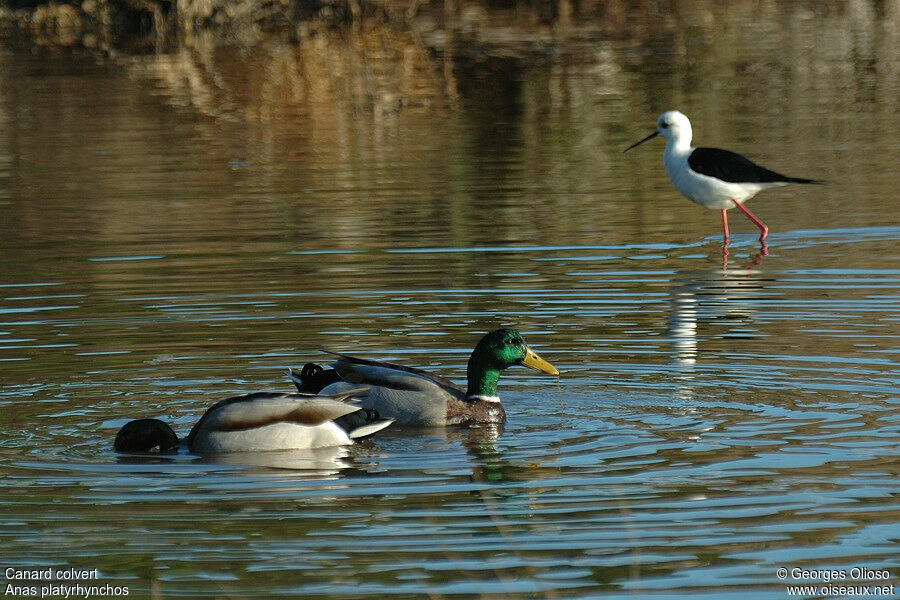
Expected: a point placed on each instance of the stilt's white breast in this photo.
(702, 189)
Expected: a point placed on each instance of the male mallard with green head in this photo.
(416, 397)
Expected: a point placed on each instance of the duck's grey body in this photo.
(411, 396)
(416, 397)
(276, 421)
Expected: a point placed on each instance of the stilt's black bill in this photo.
(649, 137)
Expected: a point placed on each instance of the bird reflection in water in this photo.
(754, 261)
(700, 299)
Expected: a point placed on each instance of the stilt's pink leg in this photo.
(762, 226)
(725, 223)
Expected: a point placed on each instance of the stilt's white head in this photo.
(673, 126)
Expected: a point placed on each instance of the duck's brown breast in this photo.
(475, 411)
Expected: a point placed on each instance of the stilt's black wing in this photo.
(734, 168)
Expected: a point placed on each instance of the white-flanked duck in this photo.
(415, 397)
(262, 421)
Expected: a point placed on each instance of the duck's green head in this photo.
(496, 351)
(504, 348)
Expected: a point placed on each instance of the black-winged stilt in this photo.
(715, 178)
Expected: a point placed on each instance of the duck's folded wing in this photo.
(265, 408)
(370, 372)
(392, 379)
(424, 404)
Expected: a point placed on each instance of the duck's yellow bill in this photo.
(537, 363)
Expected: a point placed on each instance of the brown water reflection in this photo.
(179, 227)
(367, 115)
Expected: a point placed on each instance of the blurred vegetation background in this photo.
(556, 86)
(144, 25)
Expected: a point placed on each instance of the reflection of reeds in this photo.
(495, 125)
(155, 24)
(371, 69)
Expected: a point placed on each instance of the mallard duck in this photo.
(262, 421)
(415, 397)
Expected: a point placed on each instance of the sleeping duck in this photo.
(416, 397)
(262, 421)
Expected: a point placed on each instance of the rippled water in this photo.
(163, 248)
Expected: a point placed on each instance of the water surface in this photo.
(180, 227)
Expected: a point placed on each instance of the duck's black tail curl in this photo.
(313, 378)
(362, 423)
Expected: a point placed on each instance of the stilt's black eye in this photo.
(663, 124)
